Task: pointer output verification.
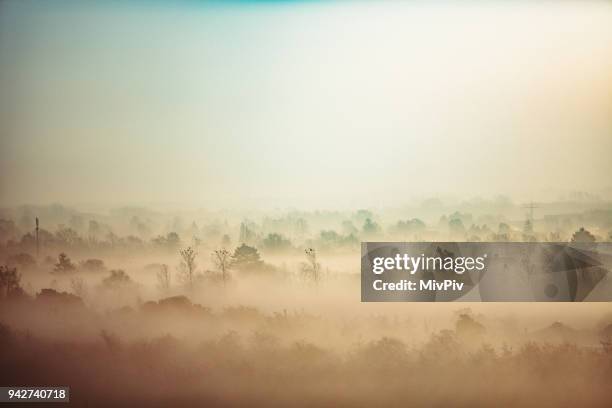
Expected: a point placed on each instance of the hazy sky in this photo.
(306, 104)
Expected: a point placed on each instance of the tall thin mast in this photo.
(37, 244)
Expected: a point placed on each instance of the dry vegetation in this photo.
(156, 320)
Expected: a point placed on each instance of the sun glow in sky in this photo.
(305, 104)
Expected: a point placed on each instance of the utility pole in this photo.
(37, 243)
(531, 206)
(529, 223)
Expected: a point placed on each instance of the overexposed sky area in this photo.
(306, 104)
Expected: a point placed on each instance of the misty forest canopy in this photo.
(62, 227)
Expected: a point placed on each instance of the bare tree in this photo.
(163, 278)
(311, 268)
(9, 281)
(188, 265)
(222, 260)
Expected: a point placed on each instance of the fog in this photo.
(133, 306)
(184, 188)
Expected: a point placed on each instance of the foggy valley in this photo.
(185, 306)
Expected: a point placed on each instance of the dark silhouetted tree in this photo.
(92, 265)
(246, 258)
(188, 266)
(222, 260)
(171, 241)
(9, 282)
(117, 279)
(311, 269)
(64, 264)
